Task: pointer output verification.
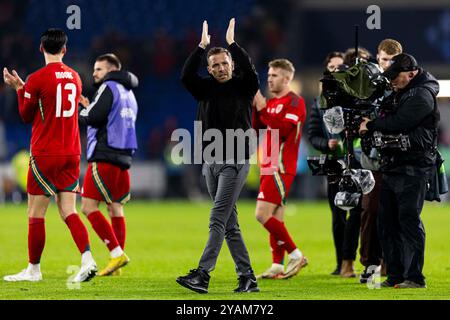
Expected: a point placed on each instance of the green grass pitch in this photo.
(165, 240)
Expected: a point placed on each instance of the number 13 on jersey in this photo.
(71, 97)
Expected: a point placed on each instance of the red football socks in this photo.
(280, 233)
(277, 250)
(36, 239)
(118, 225)
(103, 229)
(78, 231)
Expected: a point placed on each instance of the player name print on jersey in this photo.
(64, 75)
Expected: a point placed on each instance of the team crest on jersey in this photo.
(279, 108)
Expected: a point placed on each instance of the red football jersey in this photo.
(286, 114)
(49, 100)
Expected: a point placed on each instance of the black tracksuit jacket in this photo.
(223, 105)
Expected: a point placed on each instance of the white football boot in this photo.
(88, 268)
(31, 273)
(276, 271)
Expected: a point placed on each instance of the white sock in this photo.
(34, 268)
(296, 254)
(278, 266)
(87, 258)
(116, 252)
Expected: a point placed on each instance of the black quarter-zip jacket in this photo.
(226, 105)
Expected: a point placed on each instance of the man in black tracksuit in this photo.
(97, 117)
(224, 102)
(112, 141)
(405, 173)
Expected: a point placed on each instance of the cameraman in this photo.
(370, 248)
(345, 230)
(405, 173)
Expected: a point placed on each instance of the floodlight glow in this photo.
(444, 89)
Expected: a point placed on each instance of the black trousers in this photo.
(401, 230)
(345, 227)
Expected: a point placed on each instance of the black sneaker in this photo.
(336, 272)
(408, 284)
(365, 275)
(247, 284)
(197, 280)
(389, 284)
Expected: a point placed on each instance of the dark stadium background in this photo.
(153, 38)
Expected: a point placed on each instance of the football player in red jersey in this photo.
(283, 116)
(49, 101)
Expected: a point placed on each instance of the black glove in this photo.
(366, 143)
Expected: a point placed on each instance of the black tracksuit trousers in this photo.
(401, 230)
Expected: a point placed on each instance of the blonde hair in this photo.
(390, 46)
(285, 65)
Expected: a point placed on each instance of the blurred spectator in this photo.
(3, 142)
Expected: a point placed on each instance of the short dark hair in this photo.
(331, 55)
(217, 50)
(111, 58)
(53, 40)
(350, 55)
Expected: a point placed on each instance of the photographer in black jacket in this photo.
(405, 173)
(224, 102)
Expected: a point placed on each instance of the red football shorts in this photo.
(275, 188)
(48, 175)
(106, 182)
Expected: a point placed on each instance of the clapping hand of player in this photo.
(230, 32)
(259, 101)
(84, 101)
(13, 80)
(206, 38)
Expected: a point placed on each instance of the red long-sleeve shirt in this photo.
(49, 100)
(286, 114)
